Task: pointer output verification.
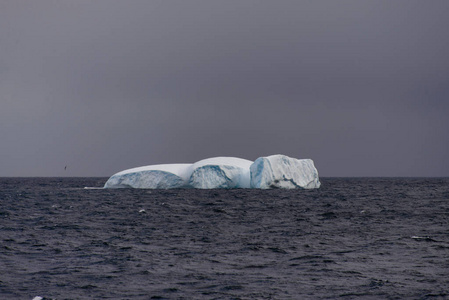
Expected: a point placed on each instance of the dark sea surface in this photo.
(367, 238)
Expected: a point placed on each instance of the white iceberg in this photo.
(276, 171)
(280, 171)
(168, 176)
(221, 172)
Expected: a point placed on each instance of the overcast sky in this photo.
(360, 87)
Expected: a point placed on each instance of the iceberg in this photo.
(221, 172)
(168, 176)
(276, 171)
(280, 171)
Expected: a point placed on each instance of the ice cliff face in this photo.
(221, 172)
(280, 171)
(276, 171)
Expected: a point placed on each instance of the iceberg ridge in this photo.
(169, 176)
(280, 171)
(221, 172)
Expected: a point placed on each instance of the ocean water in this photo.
(367, 238)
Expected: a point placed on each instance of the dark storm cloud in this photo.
(361, 87)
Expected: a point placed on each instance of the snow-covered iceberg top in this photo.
(276, 171)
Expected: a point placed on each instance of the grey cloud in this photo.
(358, 86)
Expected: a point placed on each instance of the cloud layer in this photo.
(361, 87)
